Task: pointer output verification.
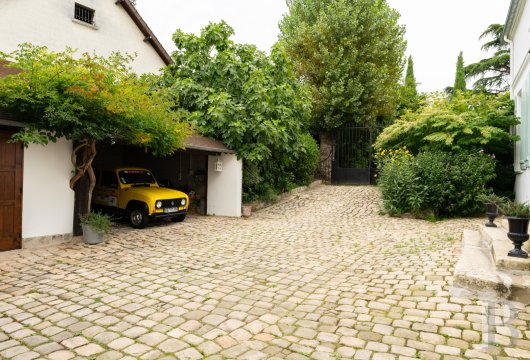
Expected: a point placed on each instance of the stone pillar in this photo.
(327, 151)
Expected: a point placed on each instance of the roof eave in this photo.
(146, 31)
(210, 149)
(514, 13)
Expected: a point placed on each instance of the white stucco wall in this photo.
(522, 187)
(48, 202)
(520, 75)
(521, 41)
(50, 23)
(225, 188)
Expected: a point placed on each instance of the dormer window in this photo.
(84, 14)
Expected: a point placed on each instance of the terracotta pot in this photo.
(246, 210)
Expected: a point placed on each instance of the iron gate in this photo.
(353, 154)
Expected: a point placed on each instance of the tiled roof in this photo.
(4, 70)
(198, 142)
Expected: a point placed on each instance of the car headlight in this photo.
(183, 202)
(158, 204)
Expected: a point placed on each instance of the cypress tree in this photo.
(410, 81)
(410, 100)
(460, 78)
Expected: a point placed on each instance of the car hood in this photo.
(159, 193)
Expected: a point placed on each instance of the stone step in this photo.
(475, 272)
(485, 271)
(501, 245)
(520, 288)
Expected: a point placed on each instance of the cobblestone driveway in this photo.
(320, 276)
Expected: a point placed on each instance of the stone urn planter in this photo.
(491, 203)
(95, 227)
(518, 216)
(518, 234)
(492, 211)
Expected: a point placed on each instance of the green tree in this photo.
(493, 72)
(468, 121)
(87, 99)
(250, 101)
(410, 99)
(460, 77)
(351, 53)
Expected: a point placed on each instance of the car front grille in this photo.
(171, 203)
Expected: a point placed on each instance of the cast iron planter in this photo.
(492, 211)
(518, 234)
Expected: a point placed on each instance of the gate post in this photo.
(327, 149)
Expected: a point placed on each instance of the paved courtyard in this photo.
(319, 276)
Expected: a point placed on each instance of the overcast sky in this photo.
(436, 29)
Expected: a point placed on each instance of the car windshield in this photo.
(134, 177)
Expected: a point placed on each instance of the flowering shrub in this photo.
(385, 156)
(464, 122)
(441, 183)
(397, 181)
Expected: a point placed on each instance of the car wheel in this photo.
(137, 217)
(179, 218)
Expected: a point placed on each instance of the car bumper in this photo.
(168, 215)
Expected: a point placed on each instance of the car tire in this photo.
(179, 218)
(137, 217)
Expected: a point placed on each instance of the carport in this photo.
(206, 167)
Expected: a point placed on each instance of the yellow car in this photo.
(135, 193)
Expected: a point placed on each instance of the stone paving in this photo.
(319, 276)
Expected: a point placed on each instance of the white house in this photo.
(36, 203)
(516, 32)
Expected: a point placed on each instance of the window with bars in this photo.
(84, 14)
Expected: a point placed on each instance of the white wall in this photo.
(521, 40)
(48, 202)
(49, 23)
(520, 70)
(225, 188)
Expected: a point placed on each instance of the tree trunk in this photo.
(327, 147)
(81, 206)
(83, 181)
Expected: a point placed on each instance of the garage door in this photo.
(10, 193)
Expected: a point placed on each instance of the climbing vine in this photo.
(86, 98)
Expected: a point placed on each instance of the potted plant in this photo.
(518, 216)
(246, 210)
(95, 227)
(491, 203)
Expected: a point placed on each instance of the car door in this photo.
(107, 189)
